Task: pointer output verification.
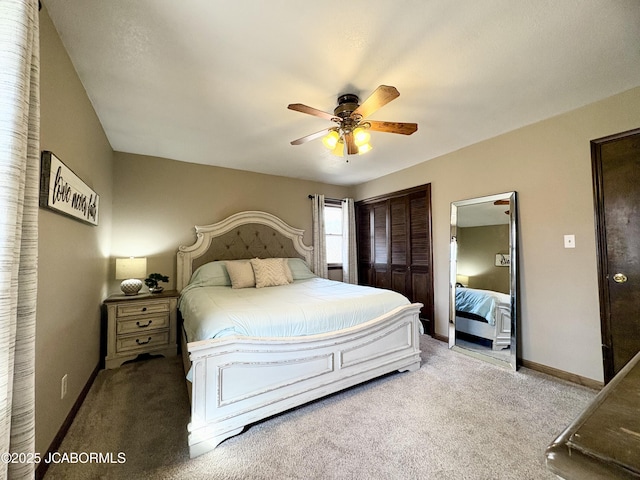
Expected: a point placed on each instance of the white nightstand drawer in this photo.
(142, 309)
(142, 324)
(143, 341)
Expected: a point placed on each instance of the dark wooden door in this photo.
(616, 174)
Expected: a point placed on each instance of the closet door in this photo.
(400, 238)
(394, 246)
(380, 240)
(420, 262)
(364, 236)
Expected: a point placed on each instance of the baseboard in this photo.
(42, 467)
(570, 377)
(554, 372)
(442, 338)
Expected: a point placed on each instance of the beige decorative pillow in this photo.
(241, 274)
(270, 272)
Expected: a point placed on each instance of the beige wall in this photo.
(72, 269)
(158, 202)
(549, 165)
(477, 248)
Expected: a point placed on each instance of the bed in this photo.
(244, 373)
(485, 314)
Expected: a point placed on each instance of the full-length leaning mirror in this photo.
(483, 279)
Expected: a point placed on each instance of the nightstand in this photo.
(143, 323)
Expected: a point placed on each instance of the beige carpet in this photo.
(455, 418)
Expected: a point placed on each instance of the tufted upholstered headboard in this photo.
(248, 234)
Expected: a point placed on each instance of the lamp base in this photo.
(131, 286)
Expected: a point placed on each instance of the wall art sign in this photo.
(64, 192)
(503, 259)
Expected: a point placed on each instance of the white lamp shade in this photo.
(131, 268)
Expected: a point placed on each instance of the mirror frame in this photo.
(513, 272)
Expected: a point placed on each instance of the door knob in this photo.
(619, 278)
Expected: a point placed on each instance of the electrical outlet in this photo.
(63, 386)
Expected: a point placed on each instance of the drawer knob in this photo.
(143, 343)
(144, 309)
(145, 325)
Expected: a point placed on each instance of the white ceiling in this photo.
(209, 81)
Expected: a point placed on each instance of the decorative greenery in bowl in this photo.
(152, 282)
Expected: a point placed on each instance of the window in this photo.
(333, 232)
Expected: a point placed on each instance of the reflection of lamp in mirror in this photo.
(463, 280)
(131, 270)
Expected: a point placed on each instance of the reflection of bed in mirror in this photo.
(483, 278)
(484, 314)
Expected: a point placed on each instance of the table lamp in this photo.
(131, 270)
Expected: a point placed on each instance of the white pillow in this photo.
(271, 272)
(241, 274)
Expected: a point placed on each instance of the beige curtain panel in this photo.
(19, 179)
(319, 266)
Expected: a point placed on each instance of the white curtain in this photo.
(19, 188)
(349, 251)
(319, 266)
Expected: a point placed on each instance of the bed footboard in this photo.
(499, 334)
(238, 380)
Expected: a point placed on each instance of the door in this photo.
(616, 177)
(394, 246)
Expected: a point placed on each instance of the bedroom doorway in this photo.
(616, 186)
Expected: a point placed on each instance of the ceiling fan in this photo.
(351, 134)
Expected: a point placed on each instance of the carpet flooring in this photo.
(457, 417)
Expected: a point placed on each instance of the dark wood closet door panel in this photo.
(400, 282)
(399, 231)
(380, 229)
(420, 236)
(364, 234)
(381, 277)
(421, 291)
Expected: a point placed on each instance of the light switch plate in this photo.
(569, 241)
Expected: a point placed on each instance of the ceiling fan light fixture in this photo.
(331, 139)
(362, 149)
(338, 150)
(361, 136)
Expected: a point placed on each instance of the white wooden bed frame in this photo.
(240, 380)
(499, 333)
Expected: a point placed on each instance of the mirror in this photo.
(482, 312)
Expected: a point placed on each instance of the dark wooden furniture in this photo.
(394, 246)
(604, 441)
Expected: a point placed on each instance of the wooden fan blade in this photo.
(298, 107)
(311, 136)
(501, 202)
(392, 127)
(352, 148)
(379, 98)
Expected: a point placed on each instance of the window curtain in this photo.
(19, 188)
(349, 248)
(319, 266)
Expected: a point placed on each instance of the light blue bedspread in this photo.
(304, 307)
(480, 302)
